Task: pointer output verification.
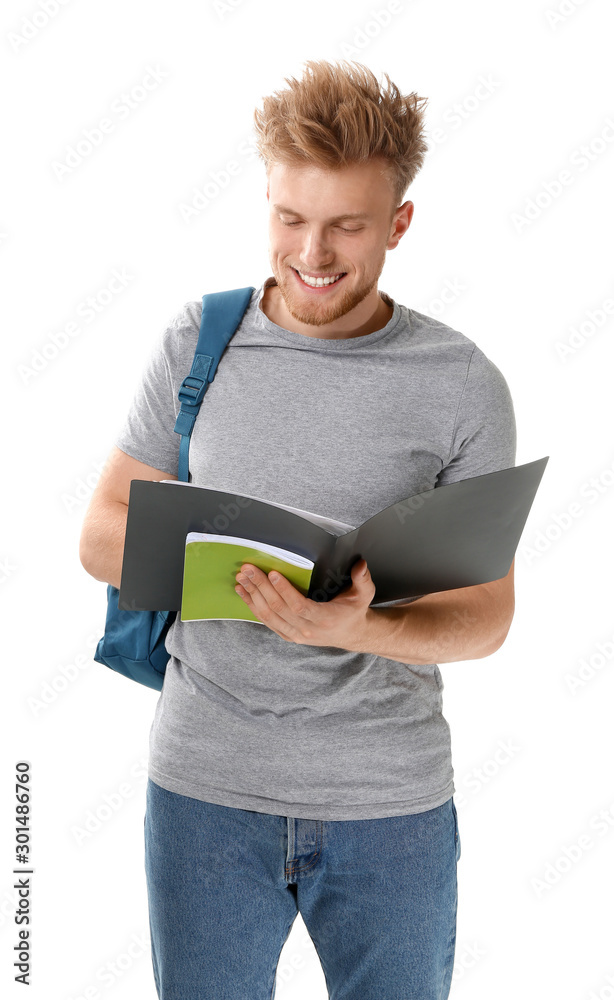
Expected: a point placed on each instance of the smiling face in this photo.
(335, 225)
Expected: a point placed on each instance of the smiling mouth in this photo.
(323, 282)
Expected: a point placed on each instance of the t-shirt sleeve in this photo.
(147, 432)
(484, 436)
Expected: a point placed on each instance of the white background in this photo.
(535, 915)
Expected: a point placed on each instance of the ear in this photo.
(401, 219)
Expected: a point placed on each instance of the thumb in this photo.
(360, 575)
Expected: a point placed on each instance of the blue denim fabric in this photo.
(378, 898)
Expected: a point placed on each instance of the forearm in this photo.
(438, 628)
(101, 548)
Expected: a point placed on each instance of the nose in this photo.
(315, 253)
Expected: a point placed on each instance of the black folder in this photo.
(453, 536)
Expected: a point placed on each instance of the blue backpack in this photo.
(134, 642)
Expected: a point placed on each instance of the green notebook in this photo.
(210, 568)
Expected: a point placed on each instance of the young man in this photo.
(305, 766)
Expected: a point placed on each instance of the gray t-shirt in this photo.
(342, 428)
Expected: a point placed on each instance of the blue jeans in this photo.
(224, 885)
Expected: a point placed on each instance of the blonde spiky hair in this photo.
(336, 115)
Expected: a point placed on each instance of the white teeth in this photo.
(318, 282)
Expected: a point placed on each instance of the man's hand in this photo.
(339, 622)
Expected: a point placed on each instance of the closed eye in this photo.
(343, 230)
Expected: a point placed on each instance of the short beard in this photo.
(319, 314)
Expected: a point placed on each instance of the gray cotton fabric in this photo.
(343, 428)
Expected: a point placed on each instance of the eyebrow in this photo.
(337, 218)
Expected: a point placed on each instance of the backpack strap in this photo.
(221, 315)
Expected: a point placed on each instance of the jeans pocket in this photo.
(457, 841)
